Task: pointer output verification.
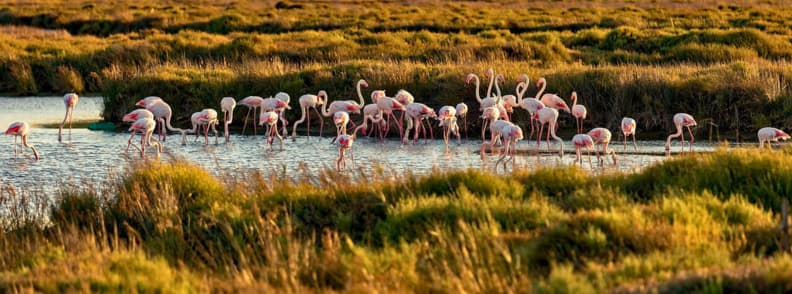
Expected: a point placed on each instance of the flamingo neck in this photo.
(324, 105)
(521, 93)
(478, 84)
(360, 93)
(492, 81)
(541, 90)
(497, 88)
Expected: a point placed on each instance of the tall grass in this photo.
(174, 227)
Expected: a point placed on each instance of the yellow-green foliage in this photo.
(702, 221)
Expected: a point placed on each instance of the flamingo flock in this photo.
(497, 114)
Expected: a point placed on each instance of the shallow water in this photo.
(90, 156)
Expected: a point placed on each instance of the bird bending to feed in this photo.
(461, 112)
(227, 105)
(132, 117)
(583, 141)
(448, 121)
(681, 120)
(510, 134)
(251, 102)
(162, 114)
(21, 129)
(549, 116)
(340, 119)
(146, 128)
(416, 113)
(578, 111)
(270, 118)
(628, 127)
(769, 135)
(308, 102)
(602, 136)
(205, 119)
(70, 100)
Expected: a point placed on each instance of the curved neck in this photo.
(324, 104)
(541, 90)
(574, 100)
(360, 93)
(521, 93)
(478, 84)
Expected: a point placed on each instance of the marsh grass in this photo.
(532, 231)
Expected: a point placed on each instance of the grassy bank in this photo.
(698, 222)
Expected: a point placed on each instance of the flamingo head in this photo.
(469, 78)
(501, 78)
(489, 72)
(523, 78)
(540, 82)
(781, 135)
(364, 83)
(573, 97)
(461, 108)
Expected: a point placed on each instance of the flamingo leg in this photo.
(635, 144)
(465, 125)
(321, 121)
(244, 127)
(691, 138)
(129, 142)
(418, 129)
(71, 114)
(579, 158)
(682, 143)
(399, 124)
(15, 146)
(625, 142)
(588, 152)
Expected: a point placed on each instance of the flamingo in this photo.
(162, 114)
(628, 127)
(578, 111)
(549, 116)
(207, 119)
(340, 119)
(308, 102)
(510, 101)
(461, 112)
(448, 118)
(279, 104)
(681, 120)
(405, 98)
(416, 113)
(132, 117)
(583, 141)
(532, 105)
(345, 141)
(252, 102)
(371, 111)
(21, 129)
(552, 100)
(510, 135)
(769, 135)
(227, 105)
(270, 118)
(146, 128)
(70, 100)
(495, 134)
(602, 136)
(387, 105)
(489, 115)
(349, 106)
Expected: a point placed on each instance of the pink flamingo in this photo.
(583, 141)
(279, 104)
(345, 141)
(387, 105)
(549, 116)
(628, 127)
(405, 98)
(448, 121)
(532, 105)
(371, 112)
(681, 120)
(602, 136)
(21, 129)
(252, 102)
(132, 117)
(146, 128)
(416, 113)
(461, 112)
(207, 119)
(552, 100)
(340, 119)
(162, 114)
(227, 105)
(270, 118)
(510, 135)
(489, 115)
(578, 111)
(70, 100)
(308, 102)
(769, 135)
(496, 128)
(348, 106)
